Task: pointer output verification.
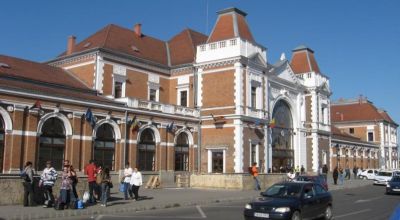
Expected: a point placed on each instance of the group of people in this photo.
(99, 184)
(341, 174)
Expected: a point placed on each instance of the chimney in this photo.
(138, 29)
(71, 44)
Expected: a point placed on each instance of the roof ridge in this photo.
(107, 34)
(191, 41)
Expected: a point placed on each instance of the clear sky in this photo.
(356, 43)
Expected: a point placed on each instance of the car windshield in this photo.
(305, 178)
(384, 174)
(283, 190)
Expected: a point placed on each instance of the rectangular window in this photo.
(351, 130)
(153, 95)
(117, 90)
(253, 97)
(217, 162)
(184, 98)
(370, 136)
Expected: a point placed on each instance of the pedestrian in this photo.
(105, 185)
(355, 172)
(74, 181)
(47, 180)
(254, 173)
(66, 186)
(347, 173)
(325, 172)
(27, 175)
(335, 175)
(341, 176)
(126, 181)
(291, 175)
(91, 173)
(136, 182)
(97, 189)
(302, 170)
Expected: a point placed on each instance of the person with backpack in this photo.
(105, 185)
(47, 180)
(27, 176)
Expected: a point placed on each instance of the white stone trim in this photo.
(187, 132)
(8, 125)
(200, 87)
(238, 87)
(129, 141)
(79, 65)
(99, 73)
(155, 132)
(24, 133)
(209, 158)
(84, 138)
(67, 124)
(217, 108)
(117, 131)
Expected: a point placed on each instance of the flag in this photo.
(136, 124)
(171, 127)
(37, 105)
(218, 119)
(257, 122)
(90, 117)
(272, 123)
(130, 121)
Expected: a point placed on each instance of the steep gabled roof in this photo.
(231, 23)
(363, 110)
(303, 60)
(124, 40)
(182, 47)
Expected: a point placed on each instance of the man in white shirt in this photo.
(127, 179)
(136, 182)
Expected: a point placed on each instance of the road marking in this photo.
(368, 200)
(201, 211)
(98, 217)
(352, 213)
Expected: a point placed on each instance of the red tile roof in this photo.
(358, 111)
(338, 134)
(182, 47)
(124, 40)
(230, 23)
(38, 78)
(303, 60)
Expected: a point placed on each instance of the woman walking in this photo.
(74, 182)
(341, 176)
(28, 184)
(335, 175)
(105, 186)
(66, 185)
(136, 182)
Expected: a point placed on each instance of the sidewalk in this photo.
(152, 199)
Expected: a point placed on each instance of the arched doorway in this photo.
(104, 146)
(51, 144)
(182, 152)
(146, 150)
(2, 137)
(282, 138)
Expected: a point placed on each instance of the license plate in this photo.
(261, 215)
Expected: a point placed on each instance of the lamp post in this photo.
(337, 155)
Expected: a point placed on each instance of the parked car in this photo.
(291, 200)
(383, 177)
(393, 186)
(368, 174)
(315, 179)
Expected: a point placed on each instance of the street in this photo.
(368, 202)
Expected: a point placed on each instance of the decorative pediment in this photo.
(284, 71)
(257, 59)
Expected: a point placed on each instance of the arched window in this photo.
(104, 146)
(182, 152)
(282, 138)
(52, 144)
(146, 150)
(2, 137)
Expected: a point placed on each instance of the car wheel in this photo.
(296, 215)
(328, 213)
(364, 177)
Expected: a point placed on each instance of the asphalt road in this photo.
(369, 202)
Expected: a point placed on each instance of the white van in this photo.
(383, 177)
(368, 174)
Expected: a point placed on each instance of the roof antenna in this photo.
(206, 17)
(283, 56)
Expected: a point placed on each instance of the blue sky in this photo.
(356, 43)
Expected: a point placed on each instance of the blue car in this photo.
(291, 200)
(393, 186)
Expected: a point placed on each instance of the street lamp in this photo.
(337, 155)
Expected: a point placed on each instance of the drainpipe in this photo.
(199, 146)
(126, 140)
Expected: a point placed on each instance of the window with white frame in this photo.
(117, 89)
(253, 97)
(153, 95)
(119, 81)
(254, 158)
(370, 136)
(216, 160)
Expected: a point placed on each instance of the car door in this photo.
(370, 174)
(322, 197)
(309, 202)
